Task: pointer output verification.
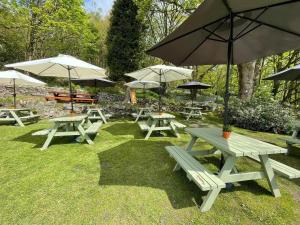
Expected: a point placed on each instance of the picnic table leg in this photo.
(153, 125)
(83, 135)
(265, 162)
(191, 143)
(209, 199)
(50, 137)
(102, 116)
(189, 115)
(138, 115)
(227, 167)
(174, 128)
(16, 117)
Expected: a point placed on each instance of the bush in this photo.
(260, 115)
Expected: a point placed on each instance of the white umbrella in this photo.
(61, 66)
(143, 84)
(161, 73)
(15, 78)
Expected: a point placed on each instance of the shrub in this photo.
(260, 115)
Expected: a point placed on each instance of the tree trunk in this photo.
(246, 79)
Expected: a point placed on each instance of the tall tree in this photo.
(124, 39)
(246, 72)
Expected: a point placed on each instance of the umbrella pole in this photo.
(70, 89)
(14, 94)
(144, 94)
(160, 92)
(228, 72)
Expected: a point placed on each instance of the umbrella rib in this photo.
(269, 6)
(46, 69)
(151, 70)
(252, 29)
(269, 25)
(185, 34)
(180, 73)
(202, 42)
(213, 33)
(240, 34)
(225, 2)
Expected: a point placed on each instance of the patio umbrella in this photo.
(143, 85)
(194, 86)
(161, 73)
(291, 74)
(93, 82)
(61, 66)
(15, 78)
(232, 32)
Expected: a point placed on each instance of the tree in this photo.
(247, 77)
(124, 39)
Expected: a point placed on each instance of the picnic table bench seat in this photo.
(280, 168)
(292, 141)
(135, 115)
(144, 125)
(94, 128)
(30, 117)
(195, 171)
(178, 124)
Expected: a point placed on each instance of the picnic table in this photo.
(76, 97)
(18, 116)
(160, 122)
(190, 111)
(143, 112)
(232, 149)
(79, 126)
(97, 114)
(295, 138)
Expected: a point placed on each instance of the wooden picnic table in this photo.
(79, 126)
(97, 114)
(190, 111)
(18, 116)
(160, 122)
(232, 149)
(76, 97)
(143, 112)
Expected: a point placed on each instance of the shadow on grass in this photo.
(125, 128)
(147, 164)
(40, 140)
(133, 129)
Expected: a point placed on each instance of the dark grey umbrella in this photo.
(194, 86)
(94, 82)
(291, 74)
(232, 32)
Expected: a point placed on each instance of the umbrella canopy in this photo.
(232, 32)
(291, 74)
(194, 85)
(143, 84)
(96, 82)
(161, 73)
(61, 66)
(15, 78)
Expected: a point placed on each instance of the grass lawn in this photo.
(123, 179)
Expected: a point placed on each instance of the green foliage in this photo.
(123, 41)
(260, 114)
(227, 128)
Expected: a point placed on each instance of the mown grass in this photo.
(123, 179)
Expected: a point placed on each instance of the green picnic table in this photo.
(160, 122)
(143, 112)
(18, 116)
(190, 112)
(234, 148)
(294, 139)
(79, 126)
(97, 114)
